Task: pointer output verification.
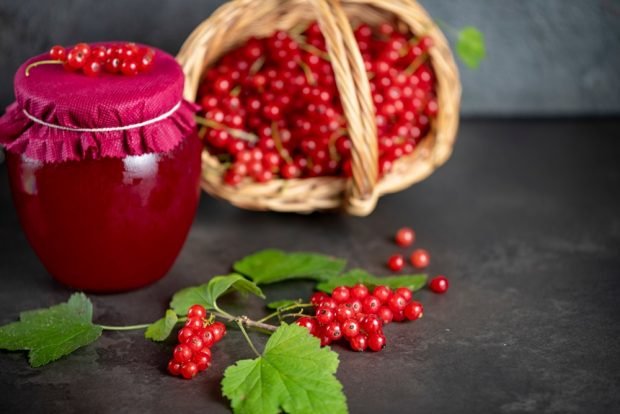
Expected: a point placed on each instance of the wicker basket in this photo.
(234, 22)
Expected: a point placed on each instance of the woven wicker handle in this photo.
(354, 89)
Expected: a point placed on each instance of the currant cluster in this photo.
(419, 258)
(193, 353)
(358, 315)
(127, 59)
(271, 106)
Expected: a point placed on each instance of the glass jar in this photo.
(110, 210)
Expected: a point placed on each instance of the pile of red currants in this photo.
(358, 315)
(271, 107)
(193, 354)
(126, 59)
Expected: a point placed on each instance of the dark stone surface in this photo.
(546, 57)
(525, 220)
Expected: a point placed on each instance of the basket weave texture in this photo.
(238, 20)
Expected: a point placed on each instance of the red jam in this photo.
(110, 224)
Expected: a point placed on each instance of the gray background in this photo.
(545, 57)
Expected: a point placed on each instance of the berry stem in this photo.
(284, 309)
(237, 133)
(247, 337)
(416, 63)
(42, 62)
(124, 328)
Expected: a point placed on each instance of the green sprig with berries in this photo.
(51, 333)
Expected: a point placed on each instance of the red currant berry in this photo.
(174, 367)
(289, 171)
(414, 310)
(82, 48)
(405, 237)
(439, 284)
(324, 315)
(359, 343)
(310, 324)
(92, 67)
(76, 59)
(129, 67)
(372, 324)
(341, 294)
(58, 53)
(112, 65)
(370, 304)
(325, 338)
(350, 328)
(185, 334)
(355, 305)
(232, 179)
(207, 336)
(405, 293)
(317, 298)
(189, 370)
(396, 262)
(382, 293)
(420, 258)
(182, 353)
(195, 343)
(194, 323)
(343, 313)
(202, 360)
(98, 53)
(359, 291)
(376, 342)
(397, 303)
(385, 314)
(197, 311)
(218, 329)
(334, 331)
(329, 303)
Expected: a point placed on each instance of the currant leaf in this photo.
(294, 375)
(208, 293)
(272, 265)
(50, 333)
(161, 329)
(354, 276)
(470, 46)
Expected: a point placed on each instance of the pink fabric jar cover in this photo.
(61, 115)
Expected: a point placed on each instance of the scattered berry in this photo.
(396, 262)
(414, 310)
(420, 258)
(405, 237)
(439, 284)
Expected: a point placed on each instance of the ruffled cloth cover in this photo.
(73, 100)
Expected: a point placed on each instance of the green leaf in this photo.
(51, 333)
(470, 46)
(161, 329)
(271, 265)
(208, 293)
(353, 276)
(294, 375)
(281, 303)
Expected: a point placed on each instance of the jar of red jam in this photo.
(104, 171)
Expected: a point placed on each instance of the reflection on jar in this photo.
(28, 178)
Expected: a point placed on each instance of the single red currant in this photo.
(359, 291)
(310, 324)
(396, 262)
(218, 329)
(350, 328)
(324, 315)
(129, 67)
(318, 297)
(376, 342)
(194, 323)
(202, 360)
(439, 284)
(420, 258)
(343, 312)
(405, 237)
(397, 303)
(414, 310)
(189, 370)
(405, 293)
(372, 324)
(385, 314)
(333, 330)
(182, 353)
(58, 52)
(341, 294)
(195, 343)
(92, 67)
(359, 343)
(185, 334)
(174, 367)
(197, 311)
(382, 293)
(208, 339)
(371, 304)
